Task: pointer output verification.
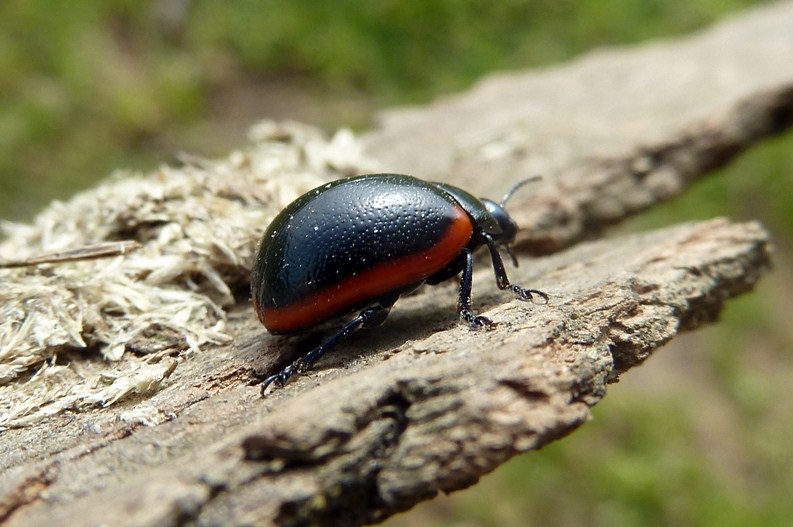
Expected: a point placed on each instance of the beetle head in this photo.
(509, 229)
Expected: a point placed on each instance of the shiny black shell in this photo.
(359, 241)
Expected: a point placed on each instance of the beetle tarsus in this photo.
(501, 275)
(279, 379)
(276, 380)
(477, 322)
(529, 294)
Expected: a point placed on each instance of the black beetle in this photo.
(359, 243)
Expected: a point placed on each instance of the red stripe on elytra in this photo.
(372, 283)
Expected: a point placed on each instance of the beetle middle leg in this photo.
(501, 275)
(464, 301)
(369, 317)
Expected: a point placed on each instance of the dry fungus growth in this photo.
(103, 295)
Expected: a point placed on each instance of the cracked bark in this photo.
(424, 405)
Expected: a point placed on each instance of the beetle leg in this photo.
(501, 275)
(369, 317)
(464, 302)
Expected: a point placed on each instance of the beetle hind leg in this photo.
(369, 317)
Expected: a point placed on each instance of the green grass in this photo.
(640, 462)
(97, 84)
(757, 185)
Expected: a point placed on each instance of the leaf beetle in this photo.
(357, 244)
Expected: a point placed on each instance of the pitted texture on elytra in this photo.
(344, 228)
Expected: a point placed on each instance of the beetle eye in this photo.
(509, 228)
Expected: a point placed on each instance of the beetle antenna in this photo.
(514, 258)
(516, 186)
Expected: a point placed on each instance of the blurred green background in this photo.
(701, 436)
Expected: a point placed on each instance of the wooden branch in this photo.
(422, 405)
(613, 133)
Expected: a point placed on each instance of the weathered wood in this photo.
(424, 405)
(612, 133)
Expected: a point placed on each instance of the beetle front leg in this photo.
(501, 275)
(464, 302)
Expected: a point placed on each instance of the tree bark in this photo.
(424, 405)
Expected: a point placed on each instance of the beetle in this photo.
(357, 244)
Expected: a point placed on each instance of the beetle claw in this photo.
(480, 322)
(271, 380)
(528, 294)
